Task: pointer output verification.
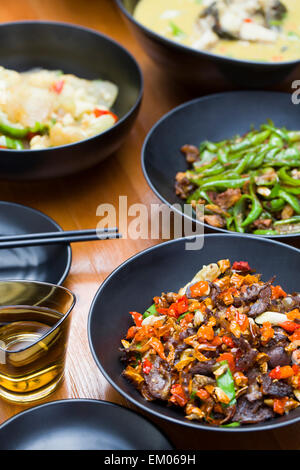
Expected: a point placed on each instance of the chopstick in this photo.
(51, 238)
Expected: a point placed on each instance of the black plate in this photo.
(40, 263)
(214, 117)
(199, 67)
(164, 268)
(80, 425)
(87, 54)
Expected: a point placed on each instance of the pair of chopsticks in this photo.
(64, 237)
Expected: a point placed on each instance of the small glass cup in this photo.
(34, 329)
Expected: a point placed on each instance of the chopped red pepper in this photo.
(199, 289)
(248, 20)
(279, 404)
(184, 322)
(179, 307)
(147, 366)
(103, 112)
(158, 347)
(242, 320)
(289, 326)
(58, 86)
(295, 336)
(203, 394)
(206, 332)
(131, 332)
(229, 358)
(267, 332)
(281, 372)
(178, 395)
(241, 266)
(137, 318)
(277, 292)
(228, 341)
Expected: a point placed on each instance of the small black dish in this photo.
(87, 54)
(164, 268)
(194, 67)
(80, 424)
(48, 263)
(214, 117)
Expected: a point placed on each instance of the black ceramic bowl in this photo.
(214, 117)
(196, 67)
(167, 267)
(87, 54)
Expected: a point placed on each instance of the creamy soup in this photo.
(240, 30)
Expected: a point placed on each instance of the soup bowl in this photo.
(86, 54)
(203, 67)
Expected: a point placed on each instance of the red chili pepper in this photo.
(279, 404)
(58, 86)
(199, 289)
(277, 292)
(131, 332)
(102, 112)
(137, 318)
(242, 320)
(289, 326)
(295, 336)
(158, 347)
(228, 341)
(281, 372)
(147, 366)
(178, 395)
(229, 358)
(3, 147)
(179, 307)
(203, 394)
(248, 20)
(241, 266)
(186, 320)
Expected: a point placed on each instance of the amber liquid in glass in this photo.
(32, 352)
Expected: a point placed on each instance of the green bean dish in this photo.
(247, 184)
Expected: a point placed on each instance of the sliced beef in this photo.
(263, 302)
(203, 368)
(191, 153)
(183, 186)
(278, 356)
(159, 380)
(253, 392)
(228, 198)
(252, 412)
(276, 389)
(251, 293)
(245, 355)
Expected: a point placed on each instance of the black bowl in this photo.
(196, 67)
(87, 54)
(214, 117)
(167, 267)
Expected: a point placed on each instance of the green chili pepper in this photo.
(150, 311)
(277, 204)
(293, 190)
(256, 209)
(199, 194)
(286, 178)
(294, 136)
(292, 200)
(265, 232)
(226, 184)
(292, 220)
(235, 424)
(10, 143)
(226, 383)
(14, 131)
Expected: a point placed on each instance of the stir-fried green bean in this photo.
(251, 182)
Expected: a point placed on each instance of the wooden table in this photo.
(72, 202)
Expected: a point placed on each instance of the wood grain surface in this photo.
(72, 202)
